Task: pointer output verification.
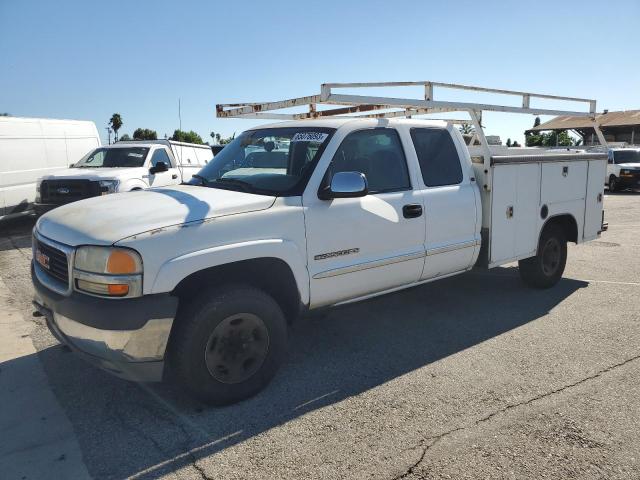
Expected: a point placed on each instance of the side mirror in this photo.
(345, 185)
(160, 167)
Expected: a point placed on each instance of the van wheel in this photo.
(228, 343)
(546, 268)
(613, 183)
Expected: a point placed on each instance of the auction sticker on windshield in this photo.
(317, 137)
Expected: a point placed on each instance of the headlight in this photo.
(108, 271)
(625, 172)
(108, 186)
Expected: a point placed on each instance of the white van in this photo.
(33, 147)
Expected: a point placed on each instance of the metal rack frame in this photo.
(365, 106)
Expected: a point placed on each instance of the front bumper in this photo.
(629, 181)
(42, 208)
(126, 337)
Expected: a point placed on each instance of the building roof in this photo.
(610, 119)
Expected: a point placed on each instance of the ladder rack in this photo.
(364, 106)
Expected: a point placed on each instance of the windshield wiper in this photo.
(246, 186)
(202, 179)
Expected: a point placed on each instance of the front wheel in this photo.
(546, 268)
(613, 184)
(228, 343)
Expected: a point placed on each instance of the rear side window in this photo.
(378, 154)
(437, 156)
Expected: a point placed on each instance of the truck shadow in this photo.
(16, 232)
(148, 431)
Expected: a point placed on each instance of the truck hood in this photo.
(105, 220)
(93, 173)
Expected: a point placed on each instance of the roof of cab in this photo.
(337, 122)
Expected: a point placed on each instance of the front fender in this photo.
(176, 269)
(132, 184)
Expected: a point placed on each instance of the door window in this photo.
(378, 154)
(438, 157)
(160, 155)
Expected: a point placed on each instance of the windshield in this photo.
(114, 157)
(626, 156)
(270, 161)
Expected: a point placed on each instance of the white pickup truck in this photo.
(121, 167)
(200, 281)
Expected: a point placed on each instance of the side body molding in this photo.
(176, 269)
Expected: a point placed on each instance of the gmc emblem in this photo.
(42, 259)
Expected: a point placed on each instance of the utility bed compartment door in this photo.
(563, 181)
(514, 211)
(594, 202)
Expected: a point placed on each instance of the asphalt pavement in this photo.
(475, 376)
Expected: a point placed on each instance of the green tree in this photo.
(224, 141)
(467, 129)
(125, 137)
(508, 142)
(5, 114)
(536, 122)
(116, 123)
(145, 134)
(515, 144)
(187, 137)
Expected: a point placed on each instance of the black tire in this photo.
(546, 268)
(613, 184)
(207, 349)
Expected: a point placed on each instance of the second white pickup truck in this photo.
(121, 167)
(202, 280)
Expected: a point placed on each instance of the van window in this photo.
(437, 155)
(378, 154)
(160, 155)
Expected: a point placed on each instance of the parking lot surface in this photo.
(475, 376)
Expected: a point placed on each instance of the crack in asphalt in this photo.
(15, 246)
(427, 443)
(167, 417)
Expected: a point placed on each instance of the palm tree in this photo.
(116, 123)
(466, 129)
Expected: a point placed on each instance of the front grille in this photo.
(58, 266)
(65, 191)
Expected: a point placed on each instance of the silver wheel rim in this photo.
(237, 348)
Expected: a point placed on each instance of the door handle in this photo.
(174, 176)
(413, 210)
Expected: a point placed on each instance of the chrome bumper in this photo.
(130, 354)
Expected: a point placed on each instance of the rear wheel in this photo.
(546, 268)
(228, 343)
(613, 184)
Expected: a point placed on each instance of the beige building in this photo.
(617, 127)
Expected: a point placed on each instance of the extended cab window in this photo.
(378, 154)
(160, 155)
(437, 155)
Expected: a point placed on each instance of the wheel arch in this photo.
(566, 222)
(271, 274)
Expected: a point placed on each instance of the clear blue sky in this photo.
(86, 60)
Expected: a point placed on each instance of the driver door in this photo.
(361, 246)
(163, 179)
